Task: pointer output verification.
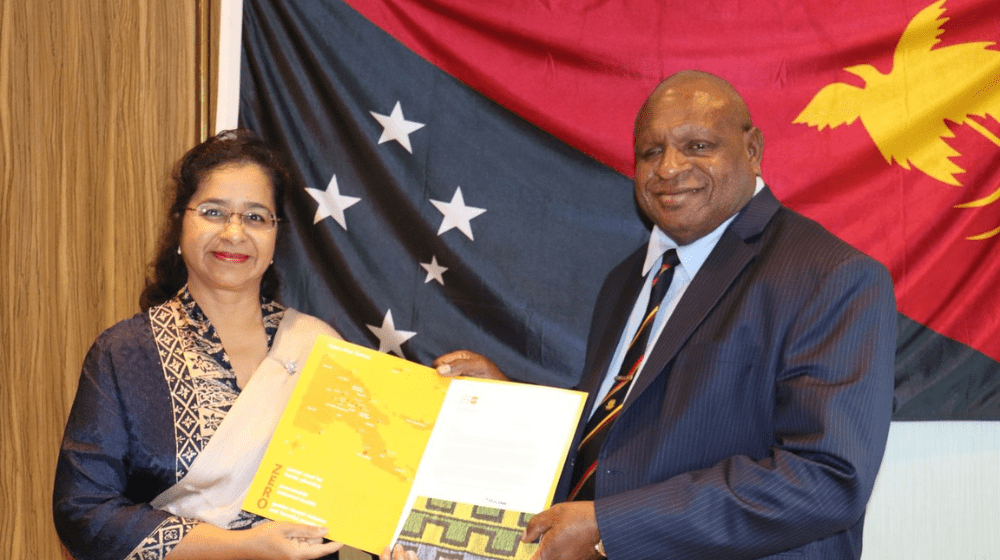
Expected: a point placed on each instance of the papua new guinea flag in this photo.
(465, 163)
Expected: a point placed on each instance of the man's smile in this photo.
(674, 197)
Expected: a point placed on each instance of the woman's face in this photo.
(225, 252)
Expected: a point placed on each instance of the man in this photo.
(757, 416)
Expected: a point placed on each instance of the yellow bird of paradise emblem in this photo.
(905, 110)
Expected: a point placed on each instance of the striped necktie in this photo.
(597, 428)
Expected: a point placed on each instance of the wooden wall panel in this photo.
(97, 100)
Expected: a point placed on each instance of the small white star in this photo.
(390, 339)
(434, 271)
(457, 214)
(395, 127)
(332, 203)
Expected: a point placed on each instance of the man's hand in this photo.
(568, 531)
(468, 364)
(397, 553)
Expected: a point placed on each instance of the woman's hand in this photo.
(289, 541)
(267, 541)
(468, 364)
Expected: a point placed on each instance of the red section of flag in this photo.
(580, 70)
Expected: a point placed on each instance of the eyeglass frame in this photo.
(229, 217)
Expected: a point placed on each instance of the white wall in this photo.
(938, 493)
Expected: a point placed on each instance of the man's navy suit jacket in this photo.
(758, 423)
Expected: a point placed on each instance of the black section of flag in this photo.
(938, 378)
(520, 291)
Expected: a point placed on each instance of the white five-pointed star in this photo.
(434, 271)
(332, 203)
(457, 214)
(390, 339)
(395, 127)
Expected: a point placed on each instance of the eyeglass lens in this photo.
(256, 219)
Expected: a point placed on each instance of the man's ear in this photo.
(754, 142)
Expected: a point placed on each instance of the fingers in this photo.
(290, 540)
(467, 364)
(313, 547)
(445, 370)
(397, 553)
(300, 531)
(320, 550)
(447, 361)
(564, 531)
(309, 539)
(537, 526)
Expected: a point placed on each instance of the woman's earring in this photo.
(178, 249)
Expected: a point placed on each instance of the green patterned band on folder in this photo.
(441, 529)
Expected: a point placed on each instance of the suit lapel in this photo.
(631, 279)
(729, 257)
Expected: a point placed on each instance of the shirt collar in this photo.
(692, 255)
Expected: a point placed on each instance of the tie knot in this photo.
(671, 258)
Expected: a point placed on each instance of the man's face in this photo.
(695, 164)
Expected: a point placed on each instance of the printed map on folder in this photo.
(376, 448)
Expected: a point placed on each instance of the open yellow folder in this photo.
(347, 451)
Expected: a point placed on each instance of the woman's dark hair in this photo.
(166, 273)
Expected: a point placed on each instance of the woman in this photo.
(176, 405)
